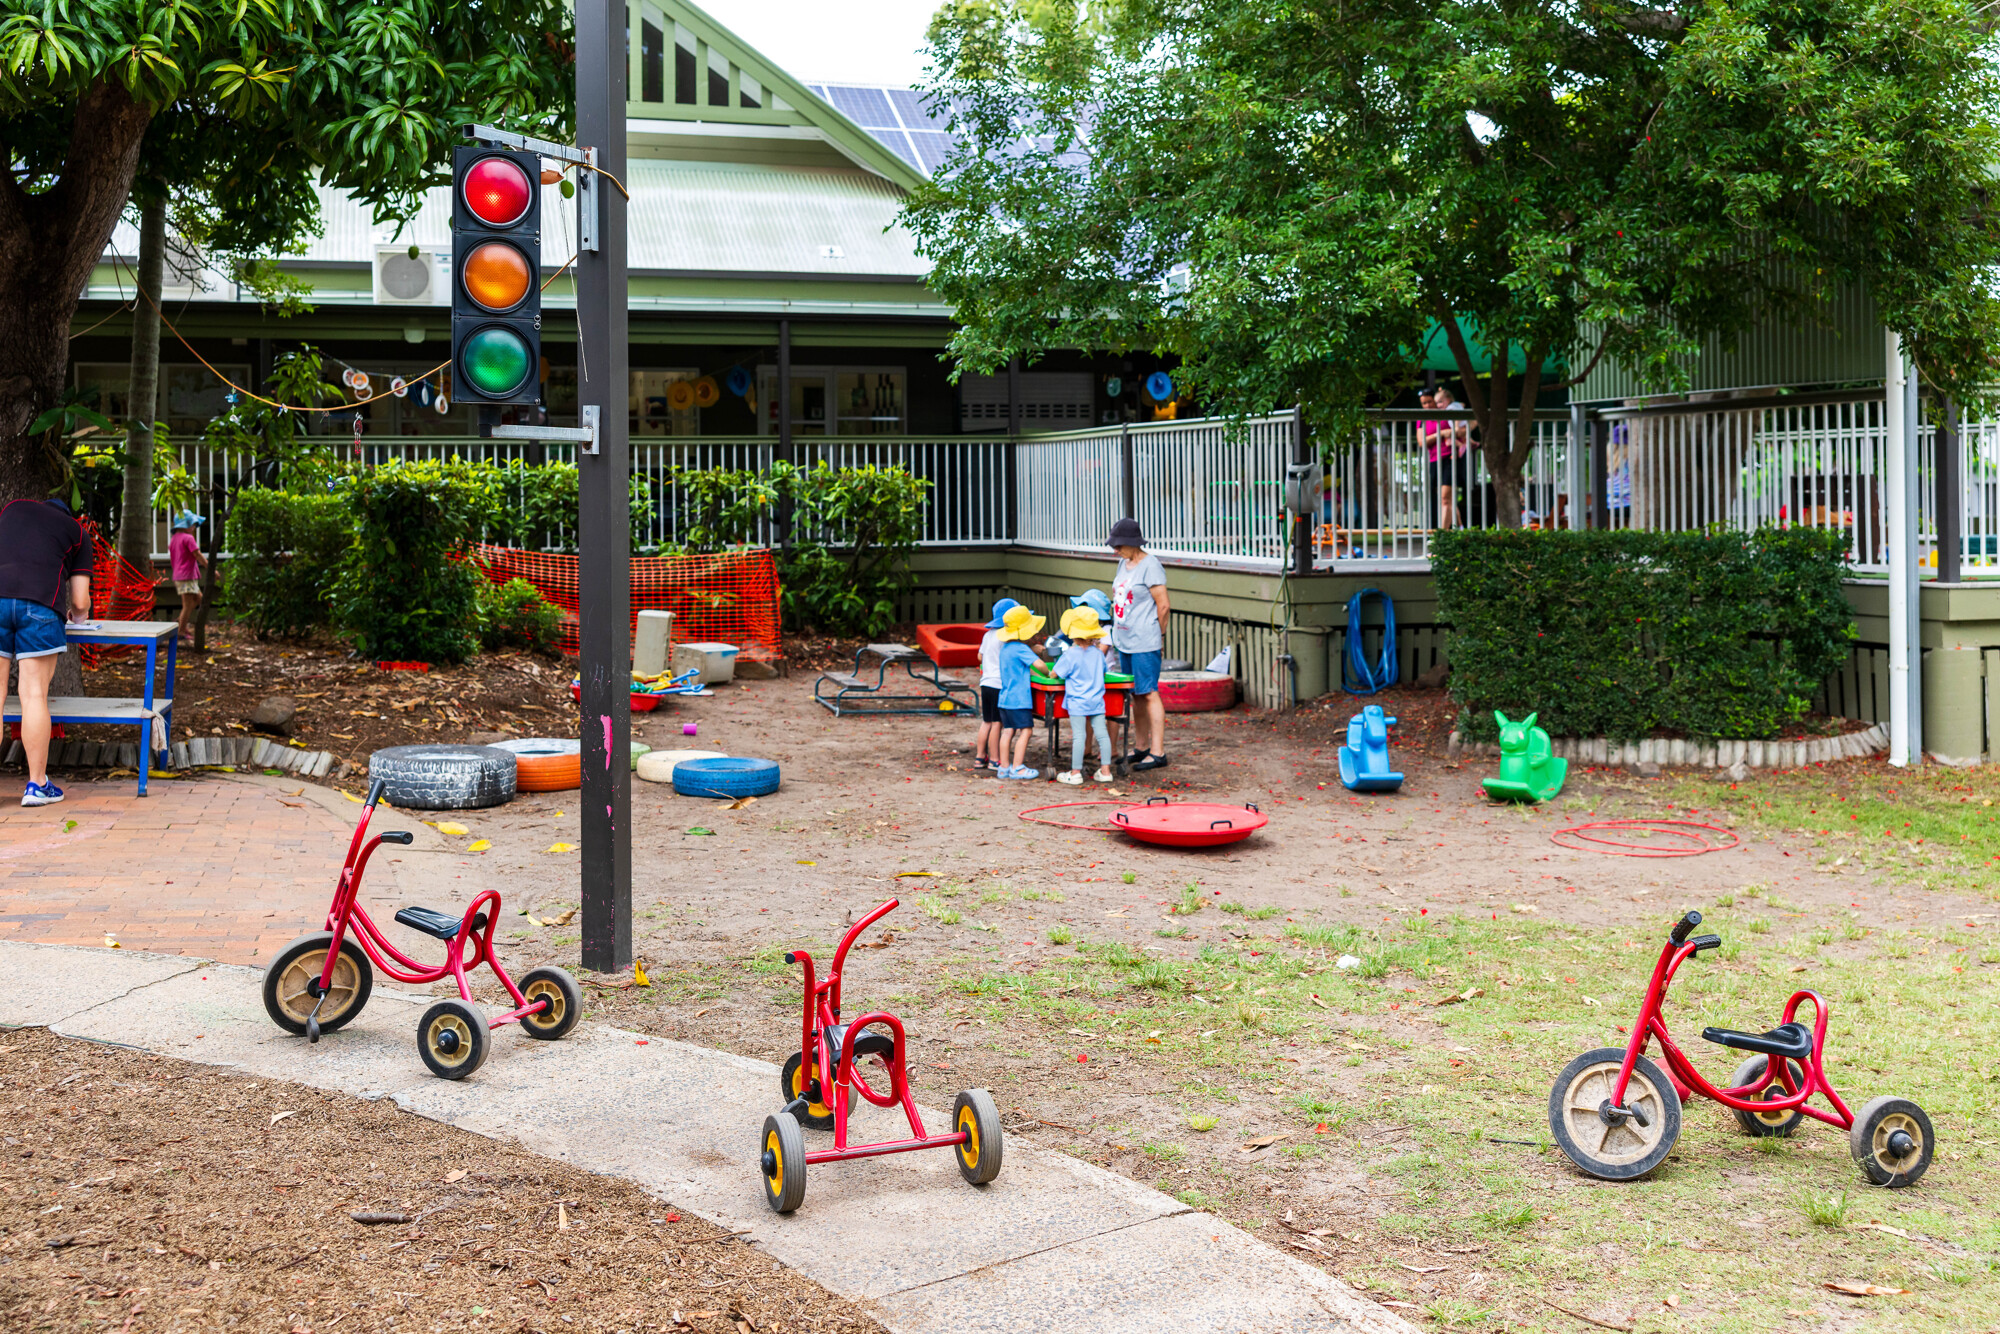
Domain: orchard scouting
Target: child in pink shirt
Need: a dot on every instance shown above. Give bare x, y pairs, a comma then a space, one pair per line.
187, 564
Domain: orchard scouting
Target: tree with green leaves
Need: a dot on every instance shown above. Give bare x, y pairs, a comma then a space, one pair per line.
1294, 195
241, 107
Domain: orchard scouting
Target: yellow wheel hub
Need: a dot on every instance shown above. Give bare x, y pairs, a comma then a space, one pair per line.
544, 990
777, 1152
460, 1051
802, 1077
969, 1151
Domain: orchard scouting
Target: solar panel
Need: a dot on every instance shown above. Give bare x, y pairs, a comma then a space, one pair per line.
866, 107
910, 106
932, 148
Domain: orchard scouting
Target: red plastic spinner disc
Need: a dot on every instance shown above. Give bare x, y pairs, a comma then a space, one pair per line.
1189, 824
497, 191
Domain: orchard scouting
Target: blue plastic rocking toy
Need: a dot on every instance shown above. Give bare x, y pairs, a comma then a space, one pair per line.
1364, 760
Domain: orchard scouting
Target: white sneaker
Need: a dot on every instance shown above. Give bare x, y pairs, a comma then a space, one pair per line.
1071, 779
1104, 774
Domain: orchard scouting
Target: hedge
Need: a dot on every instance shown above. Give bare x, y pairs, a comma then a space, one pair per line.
288, 549
1622, 634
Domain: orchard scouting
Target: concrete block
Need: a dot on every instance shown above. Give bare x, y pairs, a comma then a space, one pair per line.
716, 662
128, 755
321, 762
177, 755
47, 983
15, 754
1954, 705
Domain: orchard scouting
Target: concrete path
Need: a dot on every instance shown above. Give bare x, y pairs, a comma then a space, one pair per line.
1053, 1245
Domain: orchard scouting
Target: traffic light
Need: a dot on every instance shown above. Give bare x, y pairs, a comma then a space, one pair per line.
496, 298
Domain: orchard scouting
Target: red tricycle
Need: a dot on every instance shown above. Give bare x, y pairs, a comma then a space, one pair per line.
321, 980
1617, 1115
825, 1043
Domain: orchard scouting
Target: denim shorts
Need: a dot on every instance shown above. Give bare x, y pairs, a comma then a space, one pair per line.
29, 630
1145, 669
1016, 720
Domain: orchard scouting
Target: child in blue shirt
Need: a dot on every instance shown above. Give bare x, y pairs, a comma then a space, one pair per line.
1017, 698
986, 754
1082, 667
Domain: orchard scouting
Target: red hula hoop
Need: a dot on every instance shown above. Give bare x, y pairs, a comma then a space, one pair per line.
1695, 833
1030, 814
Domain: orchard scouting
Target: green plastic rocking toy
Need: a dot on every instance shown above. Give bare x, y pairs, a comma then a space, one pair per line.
1529, 770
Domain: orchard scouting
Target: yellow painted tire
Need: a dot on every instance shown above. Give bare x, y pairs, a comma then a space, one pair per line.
979, 1157
782, 1162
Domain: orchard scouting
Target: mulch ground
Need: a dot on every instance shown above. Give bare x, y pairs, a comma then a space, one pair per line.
143, 1193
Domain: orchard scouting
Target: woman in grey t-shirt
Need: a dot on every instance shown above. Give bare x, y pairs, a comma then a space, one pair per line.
1139, 632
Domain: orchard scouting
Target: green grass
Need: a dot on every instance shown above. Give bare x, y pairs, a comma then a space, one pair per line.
1203, 1122
1061, 935
935, 909
1190, 901
1822, 1210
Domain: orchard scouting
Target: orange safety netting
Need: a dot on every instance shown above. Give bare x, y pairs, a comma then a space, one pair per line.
729, 597
119, 591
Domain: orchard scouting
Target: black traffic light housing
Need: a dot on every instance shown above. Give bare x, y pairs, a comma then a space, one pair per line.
496, 297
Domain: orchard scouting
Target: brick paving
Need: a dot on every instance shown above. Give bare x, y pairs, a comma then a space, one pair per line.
226, 870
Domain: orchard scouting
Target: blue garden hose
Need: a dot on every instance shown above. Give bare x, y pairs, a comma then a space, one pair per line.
1357, 677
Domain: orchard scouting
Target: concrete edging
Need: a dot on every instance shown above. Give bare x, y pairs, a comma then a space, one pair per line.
1679, 753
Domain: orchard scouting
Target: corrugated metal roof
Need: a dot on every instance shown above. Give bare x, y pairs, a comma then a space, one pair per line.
700, 216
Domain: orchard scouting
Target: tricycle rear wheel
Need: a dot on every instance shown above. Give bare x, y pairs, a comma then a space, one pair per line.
1767, 1125
565, 1001
782, 1162
1615, 1148
1891, 1140
291, 983
974, 1114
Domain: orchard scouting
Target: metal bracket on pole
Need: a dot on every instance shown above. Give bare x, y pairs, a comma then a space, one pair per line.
584, 436
586, 184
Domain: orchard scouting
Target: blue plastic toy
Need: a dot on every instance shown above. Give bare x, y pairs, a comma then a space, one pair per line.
1364, 760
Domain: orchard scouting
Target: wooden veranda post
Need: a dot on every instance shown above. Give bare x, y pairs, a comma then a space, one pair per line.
1950, 539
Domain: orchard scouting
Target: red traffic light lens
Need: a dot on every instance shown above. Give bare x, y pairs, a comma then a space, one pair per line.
496, 275
497, 191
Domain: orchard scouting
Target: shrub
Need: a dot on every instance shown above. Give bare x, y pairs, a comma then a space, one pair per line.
287, 550
514, 615
400, 593
1618, 633
853, 533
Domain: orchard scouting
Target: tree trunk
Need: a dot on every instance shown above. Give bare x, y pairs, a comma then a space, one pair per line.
49, 243
135, 512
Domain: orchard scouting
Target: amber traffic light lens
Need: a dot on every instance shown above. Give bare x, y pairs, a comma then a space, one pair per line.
497, 276
498, 191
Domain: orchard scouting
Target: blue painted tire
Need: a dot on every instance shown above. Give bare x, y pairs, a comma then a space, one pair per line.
735, 777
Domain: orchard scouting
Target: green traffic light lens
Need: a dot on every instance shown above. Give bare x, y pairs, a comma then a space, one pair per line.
495, 361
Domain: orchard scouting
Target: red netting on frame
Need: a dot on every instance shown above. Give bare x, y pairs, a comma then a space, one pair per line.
729, 597
119, 591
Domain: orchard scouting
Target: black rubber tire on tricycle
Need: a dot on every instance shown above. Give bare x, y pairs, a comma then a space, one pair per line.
1767, 1125
1614, 1150
782, 1162
973, 1112
1873, 1141
291, 983
452, 1039
817, 1115
565, 999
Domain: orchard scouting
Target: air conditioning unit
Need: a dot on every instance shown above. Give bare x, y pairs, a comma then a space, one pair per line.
404, 281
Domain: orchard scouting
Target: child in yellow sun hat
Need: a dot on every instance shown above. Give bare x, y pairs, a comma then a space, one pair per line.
1082, 667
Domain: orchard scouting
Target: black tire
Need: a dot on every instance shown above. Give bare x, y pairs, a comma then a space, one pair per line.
818, 1115
444, 778
979, 1157
782, 1162
1614, 1150
1872, 1142
1767, 1125
727, 779
451, 1037
565, 999
291, 983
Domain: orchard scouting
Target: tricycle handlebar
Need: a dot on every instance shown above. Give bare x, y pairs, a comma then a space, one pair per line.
1687, 923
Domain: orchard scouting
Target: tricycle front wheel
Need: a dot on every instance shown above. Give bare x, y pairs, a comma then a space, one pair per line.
452, 1039
1891, 1140
782, 1162
978, 1119
291, 983
1614, 1144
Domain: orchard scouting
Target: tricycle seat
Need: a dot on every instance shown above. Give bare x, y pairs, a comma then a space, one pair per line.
1791, 1040
431, 922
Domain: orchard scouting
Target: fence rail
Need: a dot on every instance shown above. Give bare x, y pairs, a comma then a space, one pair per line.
1213, 490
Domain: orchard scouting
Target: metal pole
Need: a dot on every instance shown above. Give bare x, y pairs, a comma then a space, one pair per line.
1900, 463
1579, 434
1950, 482
604, 545
1600, 478
784, 407
1128, 480
1302, 524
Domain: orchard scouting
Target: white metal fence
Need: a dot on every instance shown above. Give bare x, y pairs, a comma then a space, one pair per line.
967, 501
1410, 473
1212, 488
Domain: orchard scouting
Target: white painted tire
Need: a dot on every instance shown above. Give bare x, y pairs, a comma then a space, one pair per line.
658, 766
